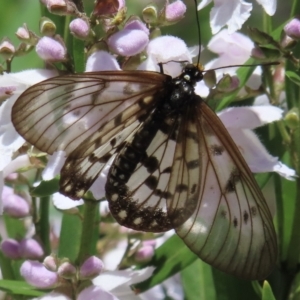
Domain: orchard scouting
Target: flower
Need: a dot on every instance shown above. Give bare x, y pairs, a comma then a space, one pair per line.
233, 13
37, 275
50, 50
239, 121
131, 40
14, 205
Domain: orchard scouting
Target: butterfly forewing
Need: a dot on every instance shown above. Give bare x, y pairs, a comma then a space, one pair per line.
62, 112
231, 227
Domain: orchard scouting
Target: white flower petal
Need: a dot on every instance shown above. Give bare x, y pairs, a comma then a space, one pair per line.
54, 165
203, 3
232, 13
256, 156
101, 61
95, 293
269, 6
249, 117
62, 202
114, 280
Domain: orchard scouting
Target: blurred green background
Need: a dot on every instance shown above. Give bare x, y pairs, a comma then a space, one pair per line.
15, 13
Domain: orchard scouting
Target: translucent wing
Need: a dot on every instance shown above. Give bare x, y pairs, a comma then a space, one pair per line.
231, 227
154, 182
88, 116
62, 112
183, 171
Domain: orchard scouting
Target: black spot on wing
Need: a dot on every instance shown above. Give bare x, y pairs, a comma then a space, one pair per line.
193, 189
151, 182
217, 150
167, 170
246, 217
151, 164
253, 211
232, 181
235, 222
181, 188
193, 164
118, 120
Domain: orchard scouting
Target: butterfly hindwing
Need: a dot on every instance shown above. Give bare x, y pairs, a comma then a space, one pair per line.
231, 227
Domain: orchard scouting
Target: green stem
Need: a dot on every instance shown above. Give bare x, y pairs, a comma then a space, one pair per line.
294, 248
44, 224
88, 227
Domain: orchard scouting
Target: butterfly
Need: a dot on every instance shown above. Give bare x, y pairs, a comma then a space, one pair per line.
172, 163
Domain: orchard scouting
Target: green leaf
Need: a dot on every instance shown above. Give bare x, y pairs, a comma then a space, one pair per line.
19, 288
197, 281
232, 288
78, 55
267, 293
46, 188
70, 236
293, 77
170, 258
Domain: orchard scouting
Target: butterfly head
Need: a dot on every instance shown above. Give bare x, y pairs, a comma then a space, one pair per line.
192, 73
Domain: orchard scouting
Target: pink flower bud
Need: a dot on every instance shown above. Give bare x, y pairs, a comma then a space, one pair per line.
107, 8
6, 92
128, 42
7, 49
50, 50
292, 29
79, 28
23, 33
146, 252
136, 25
37, 275
66, 270
62, 7
91, 268
50, 263
175, 11
11, 248
31, 249
14, 205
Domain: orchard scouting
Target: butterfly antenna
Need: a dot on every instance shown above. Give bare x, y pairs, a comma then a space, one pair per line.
199, 33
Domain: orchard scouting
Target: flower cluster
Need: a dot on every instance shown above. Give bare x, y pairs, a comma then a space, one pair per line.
133, 43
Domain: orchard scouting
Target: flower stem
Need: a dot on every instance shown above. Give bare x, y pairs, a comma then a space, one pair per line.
44, 224
294, 246
88, 226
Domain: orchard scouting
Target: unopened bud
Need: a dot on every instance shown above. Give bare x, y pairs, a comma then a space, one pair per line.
79, 28
11, 248
50, 263
47, 27
50, 50
31, 249
150, 14
91, 268
292, 118
265, 54
292, 29
66, 270
7, 49
6, 92
228, 84
14, 205
62, 7
107, 7
37, 275
175, 11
